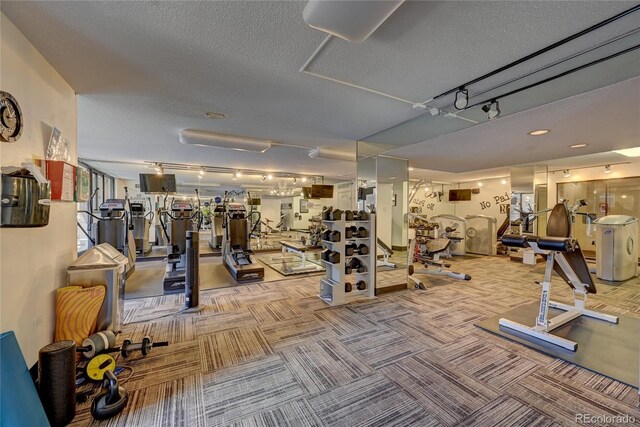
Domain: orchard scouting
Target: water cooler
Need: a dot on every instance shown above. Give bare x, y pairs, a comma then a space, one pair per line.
616, 247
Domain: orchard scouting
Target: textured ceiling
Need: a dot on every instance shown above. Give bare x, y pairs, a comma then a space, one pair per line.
145, 70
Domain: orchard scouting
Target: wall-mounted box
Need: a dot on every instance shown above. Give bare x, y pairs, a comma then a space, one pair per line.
63, 180
83, 184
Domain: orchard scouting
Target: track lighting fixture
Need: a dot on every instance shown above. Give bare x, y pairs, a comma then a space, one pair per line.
492, 109
264, 177
462, 98
607, 169
566, 173
159, 169
234, 176
295, 180
304, 179
201, 171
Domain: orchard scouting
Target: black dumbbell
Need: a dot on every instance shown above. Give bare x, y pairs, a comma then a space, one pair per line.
348, 215
335, 236
326, 234
335, 215
325, 254
363, 249
349, 249
334, 257
357, 265
145, 346
326, 213
361, 285
363, 232
348, 287
348, 269
348, 233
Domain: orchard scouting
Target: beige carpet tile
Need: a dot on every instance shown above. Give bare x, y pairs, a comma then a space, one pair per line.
275, 311
322, 365
233, 394
295, 331
228, 348
424, 331
344, 320
223, 321
163, 364
381, 310
593, 381
370, 401
291, 414
506, 411
380, 347
488, 363
562, 399
444, 390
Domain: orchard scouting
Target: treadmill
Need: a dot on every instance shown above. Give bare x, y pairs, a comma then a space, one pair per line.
236, 255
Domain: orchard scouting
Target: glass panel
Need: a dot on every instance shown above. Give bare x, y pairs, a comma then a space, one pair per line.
605, 197
108, 188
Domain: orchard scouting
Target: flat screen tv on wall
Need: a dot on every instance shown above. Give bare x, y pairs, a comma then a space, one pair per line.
321, 191
157, 183
459, 195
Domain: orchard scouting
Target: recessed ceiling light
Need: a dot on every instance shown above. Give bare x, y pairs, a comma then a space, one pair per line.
216, 116
629, 152
480, 184
410, 168
392, 177
504, 181
539, 132
578, 145
269, 176
624, 196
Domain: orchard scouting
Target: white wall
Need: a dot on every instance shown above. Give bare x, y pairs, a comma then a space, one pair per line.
33, 260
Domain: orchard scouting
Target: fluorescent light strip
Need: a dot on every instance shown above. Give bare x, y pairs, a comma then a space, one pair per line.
219, 140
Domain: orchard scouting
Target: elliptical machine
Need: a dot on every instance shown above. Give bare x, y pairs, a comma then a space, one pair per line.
141, 222
114, 227
181, 215
236, 253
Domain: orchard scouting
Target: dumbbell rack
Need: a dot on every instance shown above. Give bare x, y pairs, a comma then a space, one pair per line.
332, 284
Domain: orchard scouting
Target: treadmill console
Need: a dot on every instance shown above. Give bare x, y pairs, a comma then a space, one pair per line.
236, 211
112, 207
137, 208
181, 207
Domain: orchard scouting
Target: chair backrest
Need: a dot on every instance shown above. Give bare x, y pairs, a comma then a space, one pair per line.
559, 223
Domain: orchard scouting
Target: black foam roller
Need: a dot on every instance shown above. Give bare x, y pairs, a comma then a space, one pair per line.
57, 381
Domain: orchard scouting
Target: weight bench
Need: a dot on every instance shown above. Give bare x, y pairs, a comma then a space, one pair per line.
386, 253
565, 257
296, 248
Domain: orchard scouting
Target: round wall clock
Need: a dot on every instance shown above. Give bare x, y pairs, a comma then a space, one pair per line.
11, 123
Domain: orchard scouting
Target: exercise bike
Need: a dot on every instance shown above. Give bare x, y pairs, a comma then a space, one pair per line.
428, 250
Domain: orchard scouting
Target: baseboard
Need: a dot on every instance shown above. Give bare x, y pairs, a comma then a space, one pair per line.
393, 288
398, 248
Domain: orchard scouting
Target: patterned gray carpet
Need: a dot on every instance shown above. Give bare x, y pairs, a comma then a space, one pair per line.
273, 354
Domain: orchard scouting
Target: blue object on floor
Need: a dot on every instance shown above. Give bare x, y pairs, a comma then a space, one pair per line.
19, 401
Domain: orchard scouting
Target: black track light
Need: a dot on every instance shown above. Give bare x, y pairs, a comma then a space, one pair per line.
492, 109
